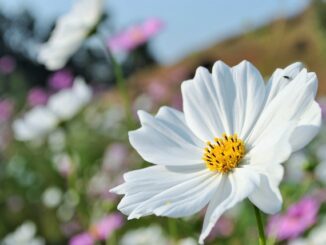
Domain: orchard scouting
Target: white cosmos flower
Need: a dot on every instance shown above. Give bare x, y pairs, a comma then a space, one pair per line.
227, 145
34, 124
70, 32
145, 236
61, 106
68, 102
316, 237
23, 235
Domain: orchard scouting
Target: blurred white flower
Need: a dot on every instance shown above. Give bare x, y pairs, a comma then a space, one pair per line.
35, 124
227, 145
52, 197
187, 241
316, 237
70, 32
62, 106
145, 236
23, 235
57, 140
68, 102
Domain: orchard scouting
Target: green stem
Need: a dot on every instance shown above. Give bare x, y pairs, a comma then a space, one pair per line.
262, 238
121, 82
173, 231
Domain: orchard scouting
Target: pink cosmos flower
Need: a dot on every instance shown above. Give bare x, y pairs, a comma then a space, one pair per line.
135, 36
6, 109
99, 231
82, 239
7, 64
105, 227
61, 79
158, 91
298, 218
37, 96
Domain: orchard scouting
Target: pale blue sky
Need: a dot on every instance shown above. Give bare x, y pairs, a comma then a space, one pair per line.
190, 25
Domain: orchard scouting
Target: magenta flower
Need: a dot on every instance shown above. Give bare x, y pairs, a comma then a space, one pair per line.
105, 227
61, 79
135, 36
37, 96
6, 109
298, 218
82, 239
7, 64
100, 231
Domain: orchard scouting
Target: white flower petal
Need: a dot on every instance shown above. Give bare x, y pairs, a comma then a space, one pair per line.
281, 78
249, 98
227, 101
208, 101
267, 196
232, 189
274, 148
166, 191
307, 128
165, 139
288, 105
265, 159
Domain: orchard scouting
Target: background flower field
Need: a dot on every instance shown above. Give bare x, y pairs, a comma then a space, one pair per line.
56, 173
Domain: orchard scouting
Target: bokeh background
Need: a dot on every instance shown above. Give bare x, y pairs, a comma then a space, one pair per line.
55, 189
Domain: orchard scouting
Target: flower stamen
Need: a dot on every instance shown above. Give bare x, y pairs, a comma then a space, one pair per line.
224, 154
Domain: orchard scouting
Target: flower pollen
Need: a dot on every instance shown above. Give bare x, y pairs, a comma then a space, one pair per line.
224, 154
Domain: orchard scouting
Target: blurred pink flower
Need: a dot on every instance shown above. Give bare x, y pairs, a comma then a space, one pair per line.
7, 64
37, 96
106, 226
177, 102
61, 79
82, 239
298, 218
158, 91
100, 231
135, 36
6, 109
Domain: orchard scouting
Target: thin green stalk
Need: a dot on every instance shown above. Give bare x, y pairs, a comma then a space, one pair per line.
172, 227
260, 226
121, 82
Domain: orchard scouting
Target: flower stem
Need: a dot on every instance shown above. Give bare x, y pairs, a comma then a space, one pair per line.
121, 83
262, 238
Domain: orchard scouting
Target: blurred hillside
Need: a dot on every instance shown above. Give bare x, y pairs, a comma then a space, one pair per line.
302, 38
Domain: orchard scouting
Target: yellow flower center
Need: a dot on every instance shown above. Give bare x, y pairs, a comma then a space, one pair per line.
224, 154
